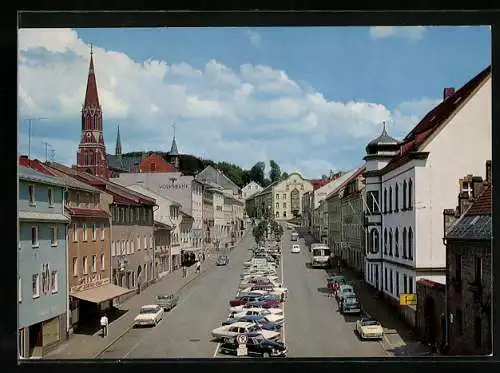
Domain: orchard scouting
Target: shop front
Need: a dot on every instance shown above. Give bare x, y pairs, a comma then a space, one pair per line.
162, 262
175, 257
38, 339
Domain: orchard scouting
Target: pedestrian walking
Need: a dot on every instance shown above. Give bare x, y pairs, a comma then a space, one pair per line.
104, 325
184, 271
198, 266
203, 256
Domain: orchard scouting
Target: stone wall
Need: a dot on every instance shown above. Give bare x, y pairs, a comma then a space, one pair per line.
430, 314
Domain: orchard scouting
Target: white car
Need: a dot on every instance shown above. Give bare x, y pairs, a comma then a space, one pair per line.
150, 314
295, 248
232, 330
369, 329
274, 310
272, 317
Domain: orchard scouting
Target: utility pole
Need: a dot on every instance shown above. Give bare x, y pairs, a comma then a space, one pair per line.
30, 120
46, 149
52, 155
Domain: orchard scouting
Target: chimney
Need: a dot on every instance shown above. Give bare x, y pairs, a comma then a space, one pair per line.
488, 171
449, 218
447, 92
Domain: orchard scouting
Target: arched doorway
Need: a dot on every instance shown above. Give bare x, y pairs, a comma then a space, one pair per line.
429, 320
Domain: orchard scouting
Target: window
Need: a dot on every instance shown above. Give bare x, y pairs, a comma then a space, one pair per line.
390, 199
77, 199
410, 285
405, 284
284, 196
153, 166
396, 243
84, 228
405, 191
145, 242
94, 232
150, 241
385, 200
54, 282
392, 287
385, 279
373, 202
138, 242
102, 231
277, 205
410, 194
75, 233
396, 198
103, 264
277, 214
34, 236
284, 205
36, 285
85, 265
458, 268
397, 284
284, 214
478, 269
404, 242
390, 242
410, 244
19, 290
53, 235
385, 241
277, 196
75, 266
32, 197
50, 197
94, 263
459, 321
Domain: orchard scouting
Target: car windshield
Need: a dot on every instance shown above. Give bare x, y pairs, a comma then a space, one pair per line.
351, 300
370, 322
148, 309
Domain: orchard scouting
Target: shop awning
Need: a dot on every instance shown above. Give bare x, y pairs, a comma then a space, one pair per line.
102, 293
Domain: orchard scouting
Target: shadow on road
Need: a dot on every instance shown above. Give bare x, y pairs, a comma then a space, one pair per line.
92, 327
324, 290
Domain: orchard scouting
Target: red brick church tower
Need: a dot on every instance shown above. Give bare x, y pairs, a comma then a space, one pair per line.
91, 155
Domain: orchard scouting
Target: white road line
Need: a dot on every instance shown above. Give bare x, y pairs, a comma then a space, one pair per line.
216, 349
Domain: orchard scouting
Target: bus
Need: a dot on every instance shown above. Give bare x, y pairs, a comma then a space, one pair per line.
320, 256
295, 236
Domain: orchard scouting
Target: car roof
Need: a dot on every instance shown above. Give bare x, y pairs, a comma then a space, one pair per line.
149, 306
345, 286
242, 324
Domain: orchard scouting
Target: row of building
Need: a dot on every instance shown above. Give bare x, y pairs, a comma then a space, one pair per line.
395, 219
93, 234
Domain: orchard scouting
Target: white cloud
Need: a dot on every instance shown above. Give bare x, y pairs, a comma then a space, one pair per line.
409, 32
243, 115
254, 37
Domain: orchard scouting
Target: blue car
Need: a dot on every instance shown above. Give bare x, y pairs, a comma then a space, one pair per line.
261, 321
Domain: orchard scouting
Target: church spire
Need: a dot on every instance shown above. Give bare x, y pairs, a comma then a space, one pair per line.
91, 96
173, 148
118, 149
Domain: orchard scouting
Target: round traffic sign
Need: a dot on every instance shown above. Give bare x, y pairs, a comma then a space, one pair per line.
241, 339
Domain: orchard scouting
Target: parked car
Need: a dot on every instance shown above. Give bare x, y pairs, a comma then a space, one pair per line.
369, 328
350, 304
343, 291
168, 301
269, 303
222, 260
270, 296
295, 248
257, 346
149, 315
270, 315
228, 331
275, 310
261, 321
243, 299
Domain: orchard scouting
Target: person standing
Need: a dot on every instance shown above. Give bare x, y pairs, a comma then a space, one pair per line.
104, 325
198, 266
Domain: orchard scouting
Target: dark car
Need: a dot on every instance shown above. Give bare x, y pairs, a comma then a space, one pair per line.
261, 321
222, 260
257, 345
350, 304
238, 301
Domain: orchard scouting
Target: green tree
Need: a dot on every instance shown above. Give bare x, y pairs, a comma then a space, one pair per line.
256, 173
284, 175
274, 172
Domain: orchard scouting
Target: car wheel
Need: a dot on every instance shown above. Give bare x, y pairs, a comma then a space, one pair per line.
266, 354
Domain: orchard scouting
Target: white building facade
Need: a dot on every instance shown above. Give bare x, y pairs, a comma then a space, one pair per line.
409, 184
250, 189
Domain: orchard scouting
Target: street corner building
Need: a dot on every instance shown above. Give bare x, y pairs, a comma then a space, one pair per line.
410, 182
42, 263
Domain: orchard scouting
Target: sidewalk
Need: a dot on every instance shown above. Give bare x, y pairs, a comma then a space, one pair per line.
82, 346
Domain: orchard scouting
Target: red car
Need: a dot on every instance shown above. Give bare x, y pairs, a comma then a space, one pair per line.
238, 301
269, 303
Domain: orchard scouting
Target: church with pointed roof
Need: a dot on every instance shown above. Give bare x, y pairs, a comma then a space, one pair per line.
91, 155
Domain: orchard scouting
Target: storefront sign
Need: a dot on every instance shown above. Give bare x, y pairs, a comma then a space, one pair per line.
89, 285
174, 186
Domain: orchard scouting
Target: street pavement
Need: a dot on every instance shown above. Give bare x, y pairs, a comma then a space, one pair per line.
399, 339
314, 326
185, 331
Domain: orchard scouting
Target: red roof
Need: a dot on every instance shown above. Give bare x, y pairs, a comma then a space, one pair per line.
34, 164
482, 205
434, 119
430, 283
89, 212
91, 97
318, 183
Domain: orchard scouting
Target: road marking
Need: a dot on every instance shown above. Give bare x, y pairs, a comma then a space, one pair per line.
216, 350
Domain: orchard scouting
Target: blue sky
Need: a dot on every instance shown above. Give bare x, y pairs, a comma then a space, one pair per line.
308, 97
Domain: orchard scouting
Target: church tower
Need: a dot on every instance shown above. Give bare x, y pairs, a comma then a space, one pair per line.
174, 153
91, 155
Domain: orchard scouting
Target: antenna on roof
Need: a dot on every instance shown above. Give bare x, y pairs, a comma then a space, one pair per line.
52, 155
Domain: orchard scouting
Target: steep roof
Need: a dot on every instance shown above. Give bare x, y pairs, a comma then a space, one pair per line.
476, 222
71, 181
34, 164
91, 96
318, 183
434, 119
29, 174
344, 180
384, 140
173, 148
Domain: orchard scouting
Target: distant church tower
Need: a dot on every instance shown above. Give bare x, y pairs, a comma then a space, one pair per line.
118, 148
174, 153
91, 155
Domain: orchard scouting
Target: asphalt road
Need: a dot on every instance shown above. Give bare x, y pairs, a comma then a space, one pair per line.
314, 327
185, 331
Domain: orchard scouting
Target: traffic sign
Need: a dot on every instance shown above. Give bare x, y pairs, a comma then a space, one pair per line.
407, 299
242, 339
